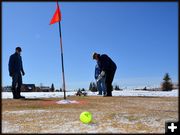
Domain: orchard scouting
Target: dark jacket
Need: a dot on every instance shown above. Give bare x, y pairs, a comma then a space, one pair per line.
97, 71
15, 64
106, 64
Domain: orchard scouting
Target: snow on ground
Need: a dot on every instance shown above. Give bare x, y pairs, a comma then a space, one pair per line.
67, 102
173, 93
110, 115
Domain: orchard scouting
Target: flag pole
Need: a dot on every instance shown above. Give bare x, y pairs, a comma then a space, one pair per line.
62, 60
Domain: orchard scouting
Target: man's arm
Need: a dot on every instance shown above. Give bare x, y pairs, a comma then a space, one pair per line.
10, 65
22, 70
95, 74
104, 63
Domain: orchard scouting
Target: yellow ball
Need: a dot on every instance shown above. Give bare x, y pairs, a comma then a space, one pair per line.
86, 117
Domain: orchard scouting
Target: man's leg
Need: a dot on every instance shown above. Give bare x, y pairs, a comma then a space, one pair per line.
19, 86
108, 84
99, 87
103, 85
14, 89
112, 77
109, 81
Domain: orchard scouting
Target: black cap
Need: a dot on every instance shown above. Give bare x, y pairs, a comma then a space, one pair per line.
94, 55
18, 49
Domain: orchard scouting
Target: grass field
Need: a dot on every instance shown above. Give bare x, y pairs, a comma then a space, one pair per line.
110, 115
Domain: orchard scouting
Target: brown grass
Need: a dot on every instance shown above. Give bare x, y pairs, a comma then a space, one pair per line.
110, 114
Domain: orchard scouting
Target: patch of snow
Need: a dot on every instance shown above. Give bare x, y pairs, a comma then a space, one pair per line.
25, 111
173, 93
67, 102
7, 127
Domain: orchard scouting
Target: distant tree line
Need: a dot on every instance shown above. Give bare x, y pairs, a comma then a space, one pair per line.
166, 85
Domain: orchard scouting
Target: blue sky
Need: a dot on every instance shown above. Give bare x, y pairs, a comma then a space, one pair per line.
140, 37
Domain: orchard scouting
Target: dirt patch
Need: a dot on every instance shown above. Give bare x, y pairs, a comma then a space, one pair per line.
110, 115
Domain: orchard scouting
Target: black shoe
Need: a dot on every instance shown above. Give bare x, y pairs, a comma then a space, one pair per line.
21, 96
15, 97
108, 95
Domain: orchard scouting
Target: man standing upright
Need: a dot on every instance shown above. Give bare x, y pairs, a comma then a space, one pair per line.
108, 68
15, 70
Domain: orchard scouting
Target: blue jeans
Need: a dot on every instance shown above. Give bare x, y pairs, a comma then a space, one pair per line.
101, 86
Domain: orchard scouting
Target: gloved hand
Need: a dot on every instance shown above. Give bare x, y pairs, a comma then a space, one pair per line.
23, 73
11, 74
99, 78
102, 73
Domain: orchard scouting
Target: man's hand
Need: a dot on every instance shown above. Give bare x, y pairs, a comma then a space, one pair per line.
99, 78
102, 73
11, 74
23, 73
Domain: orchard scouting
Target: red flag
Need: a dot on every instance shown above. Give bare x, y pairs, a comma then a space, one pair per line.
56, 16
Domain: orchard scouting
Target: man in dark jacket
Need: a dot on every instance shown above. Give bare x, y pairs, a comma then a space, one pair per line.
108, 68
15, 70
